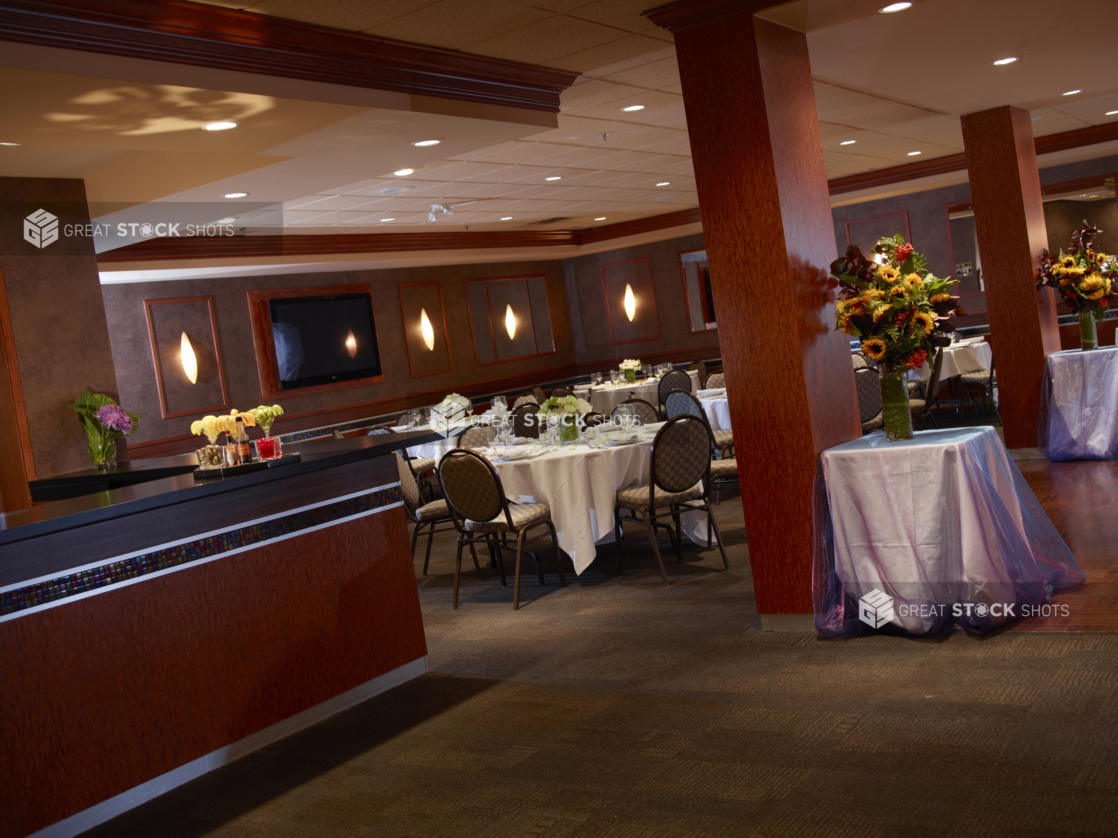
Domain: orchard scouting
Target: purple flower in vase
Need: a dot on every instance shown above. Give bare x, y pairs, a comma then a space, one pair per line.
114, 418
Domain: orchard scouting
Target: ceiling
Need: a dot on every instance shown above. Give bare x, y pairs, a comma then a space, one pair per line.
893, 84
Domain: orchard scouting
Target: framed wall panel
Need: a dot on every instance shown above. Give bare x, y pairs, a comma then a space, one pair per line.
489, 301
967, 264
415, 299
865, 232
168, 320
645, 324
697, 291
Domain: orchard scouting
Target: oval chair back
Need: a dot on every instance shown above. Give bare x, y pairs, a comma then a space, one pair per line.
593, 419
700, 369
471, 487
716, 380
561, 393
526, 398
682, 403
540, 395
674, 380
868, 385
681, 455
647, 412
524, 421
475, 436
409, 488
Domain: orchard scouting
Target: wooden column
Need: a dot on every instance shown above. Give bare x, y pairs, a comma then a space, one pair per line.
1009, 220
766, 214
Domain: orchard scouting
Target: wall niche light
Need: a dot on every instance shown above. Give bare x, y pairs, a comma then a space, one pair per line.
426, 330
630, 303
510, 322
351, 344
189, 359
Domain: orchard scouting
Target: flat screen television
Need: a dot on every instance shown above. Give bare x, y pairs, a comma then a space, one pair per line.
324, 340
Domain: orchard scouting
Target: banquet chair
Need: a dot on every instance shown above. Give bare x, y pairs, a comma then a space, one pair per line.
422, 514
679, 403
540, 395
985, 381
476, 436
859, 361
526, 398
716, 380
922, 408
561, 393
482, 514
674, 380
700, 369
593, 418
423, 469
524, 422
680, 467
870, 407
648, 413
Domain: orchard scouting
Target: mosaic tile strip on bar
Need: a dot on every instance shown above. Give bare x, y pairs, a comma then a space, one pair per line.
112, 573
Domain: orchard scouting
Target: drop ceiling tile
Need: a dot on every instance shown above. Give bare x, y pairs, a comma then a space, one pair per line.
457, 24
622, 14
580, 156
825, 93
592, 92
846, 105
665, 52
354, 15
476, 171
511, 153
680, 146
655, 75
653, 100
546, 41
629, 46
683, 167
895, 122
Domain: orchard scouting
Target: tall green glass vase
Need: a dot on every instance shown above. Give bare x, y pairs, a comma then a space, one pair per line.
1088, 332
898, 414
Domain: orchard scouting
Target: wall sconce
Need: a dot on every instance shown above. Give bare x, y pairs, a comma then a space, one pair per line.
189, 359
510, 322
351, 344
425, 328
630, 302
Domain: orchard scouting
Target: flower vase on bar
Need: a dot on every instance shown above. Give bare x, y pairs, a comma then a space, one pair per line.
901, 313
1082, 278
103, 421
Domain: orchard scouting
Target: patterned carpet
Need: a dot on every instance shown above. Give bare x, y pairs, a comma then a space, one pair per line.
619, 708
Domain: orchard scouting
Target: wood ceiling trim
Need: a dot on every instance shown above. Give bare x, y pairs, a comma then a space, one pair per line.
229, 39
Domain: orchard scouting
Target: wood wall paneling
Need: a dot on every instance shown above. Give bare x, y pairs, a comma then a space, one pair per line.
645, 324
1009, 219
266, 365
761, 181
167, 321
865, 232
500, 298
415, 298
531, 305
17, 466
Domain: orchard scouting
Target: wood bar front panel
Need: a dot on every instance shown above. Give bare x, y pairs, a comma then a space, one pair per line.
1009, 221
105, 693
767, 219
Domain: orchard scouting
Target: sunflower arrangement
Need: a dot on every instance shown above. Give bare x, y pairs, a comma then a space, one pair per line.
1083, 278
900, 311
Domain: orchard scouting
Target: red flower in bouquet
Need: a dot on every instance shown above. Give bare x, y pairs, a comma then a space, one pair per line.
903, 251
916, 359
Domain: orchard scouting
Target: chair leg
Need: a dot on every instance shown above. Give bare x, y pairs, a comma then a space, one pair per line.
415, 540
718, 535
473, 553
457, 570
430, 538
558, 554
495, 546
617, 539
519, 556
710, 522
678, 534
655, 547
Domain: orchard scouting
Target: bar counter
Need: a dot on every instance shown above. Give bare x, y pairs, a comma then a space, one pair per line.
153, 632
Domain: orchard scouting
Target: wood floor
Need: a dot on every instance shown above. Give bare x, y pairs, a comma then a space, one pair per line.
1081, 499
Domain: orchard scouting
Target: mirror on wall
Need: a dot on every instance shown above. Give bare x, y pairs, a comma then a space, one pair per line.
700, 297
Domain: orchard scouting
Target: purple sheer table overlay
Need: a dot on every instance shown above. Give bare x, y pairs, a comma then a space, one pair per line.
934, 534
1079, 405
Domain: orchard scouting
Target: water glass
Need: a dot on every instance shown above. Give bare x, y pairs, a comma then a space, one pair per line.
500, 404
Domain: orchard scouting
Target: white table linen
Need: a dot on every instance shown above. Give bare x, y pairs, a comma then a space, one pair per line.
928, 527
605, 397
974, 355
1079, 405
718, 412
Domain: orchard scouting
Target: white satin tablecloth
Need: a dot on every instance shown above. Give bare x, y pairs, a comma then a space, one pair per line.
1079, 405
718, 412
605, 397
940, 532
972, 355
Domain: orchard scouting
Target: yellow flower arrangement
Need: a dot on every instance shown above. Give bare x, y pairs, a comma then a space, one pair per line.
898, 291
939, 298
887, 273
913, 282
874, 348
927, 319
1083, 279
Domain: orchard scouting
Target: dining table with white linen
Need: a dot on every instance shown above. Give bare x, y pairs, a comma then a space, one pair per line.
938, 532
717, 408
604, 398
1079, 405
970, 355
580, 484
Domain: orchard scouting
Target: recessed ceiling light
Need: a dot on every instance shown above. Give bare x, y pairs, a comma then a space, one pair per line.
554, 177
403, 172
848, 142
228, 220
1001, 62
913, 153
425, 143
632, 108
664, 183
1072, 92
386, 220
1108, 113
9, 144
603, 218
895, 7
220, 126
235, 195
394, 190
507, 218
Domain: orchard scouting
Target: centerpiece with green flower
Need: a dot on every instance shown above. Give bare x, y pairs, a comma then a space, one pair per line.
901, 313
104, 422
630, 366
1083, 278
567, 410
450, 412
